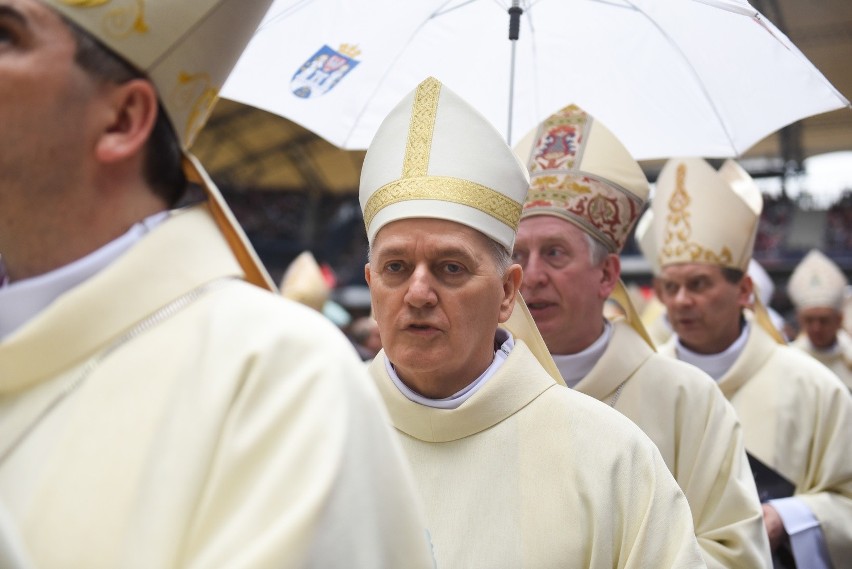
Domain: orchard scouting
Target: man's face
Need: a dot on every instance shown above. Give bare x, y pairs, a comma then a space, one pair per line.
821, 325
438, 298
45, 99
703, 307
563, 290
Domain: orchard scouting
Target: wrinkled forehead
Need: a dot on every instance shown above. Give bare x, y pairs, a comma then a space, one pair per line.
431, 235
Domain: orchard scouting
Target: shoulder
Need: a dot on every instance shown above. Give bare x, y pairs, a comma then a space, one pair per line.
799, 368
588, 421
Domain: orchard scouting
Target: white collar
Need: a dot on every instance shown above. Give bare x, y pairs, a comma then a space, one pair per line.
455, 400
20, 301
715, 365
574, 367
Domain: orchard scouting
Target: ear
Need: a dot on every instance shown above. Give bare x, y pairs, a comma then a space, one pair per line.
511, 283
132, 114
367, 277
745, 289
610, 273
657, 283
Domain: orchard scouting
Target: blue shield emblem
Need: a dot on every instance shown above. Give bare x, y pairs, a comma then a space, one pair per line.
323, 70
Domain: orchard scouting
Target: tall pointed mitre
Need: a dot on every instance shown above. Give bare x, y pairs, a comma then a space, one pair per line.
435, 156
304, 282
580, 172
709, 217
704, 216
644, 236
187, 49
817, 282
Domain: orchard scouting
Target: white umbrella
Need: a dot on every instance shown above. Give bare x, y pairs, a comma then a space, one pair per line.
669, 77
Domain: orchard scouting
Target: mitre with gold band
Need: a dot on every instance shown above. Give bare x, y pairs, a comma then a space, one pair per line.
187, 50
817, 282
435, 156
580, 172
709, 217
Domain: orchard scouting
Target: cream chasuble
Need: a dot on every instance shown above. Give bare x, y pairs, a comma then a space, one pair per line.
797, 418
682, 410
530, 474
838, 359
165, 413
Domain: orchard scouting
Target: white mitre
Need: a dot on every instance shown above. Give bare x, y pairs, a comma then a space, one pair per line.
435, 156
644, 236
304, 282
187, 49
817, 282
704, 216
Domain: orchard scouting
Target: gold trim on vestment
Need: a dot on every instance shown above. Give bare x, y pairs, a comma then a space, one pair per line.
446, 189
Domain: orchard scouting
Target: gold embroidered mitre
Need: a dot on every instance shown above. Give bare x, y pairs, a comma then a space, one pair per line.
435, 156
580, 172
817, 282
700, 217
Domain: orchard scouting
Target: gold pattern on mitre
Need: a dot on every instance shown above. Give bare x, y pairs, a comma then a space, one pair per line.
677, 241
704, 216
582, 173
121, 20
430, 179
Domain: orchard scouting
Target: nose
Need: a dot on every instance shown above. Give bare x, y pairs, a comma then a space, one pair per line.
535, 274
682, 297
421, 291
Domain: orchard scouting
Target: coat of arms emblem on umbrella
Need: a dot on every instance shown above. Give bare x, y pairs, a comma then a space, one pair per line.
323, 70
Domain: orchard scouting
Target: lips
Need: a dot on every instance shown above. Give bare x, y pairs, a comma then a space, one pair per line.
539, 304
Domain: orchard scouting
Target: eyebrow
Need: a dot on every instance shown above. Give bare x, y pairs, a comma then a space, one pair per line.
13, 14
448, 251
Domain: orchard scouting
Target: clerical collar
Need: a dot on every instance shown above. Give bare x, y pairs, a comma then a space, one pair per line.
454, 401
715, 365
574, 367
20, 301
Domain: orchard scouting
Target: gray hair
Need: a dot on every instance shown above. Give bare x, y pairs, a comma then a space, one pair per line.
597, 250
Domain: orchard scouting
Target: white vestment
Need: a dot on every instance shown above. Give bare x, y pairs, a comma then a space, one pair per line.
165, 413
797, 419
682, 410
527, 473
838, 358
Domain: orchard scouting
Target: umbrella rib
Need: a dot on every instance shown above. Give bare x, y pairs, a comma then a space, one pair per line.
695, 74
390, 68
285, 13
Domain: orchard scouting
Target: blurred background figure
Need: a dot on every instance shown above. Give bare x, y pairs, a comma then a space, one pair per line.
304, 282
364, 333
764, 288
817, 288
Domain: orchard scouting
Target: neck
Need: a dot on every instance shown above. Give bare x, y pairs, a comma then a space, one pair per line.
66, 231
576, 338
435, 385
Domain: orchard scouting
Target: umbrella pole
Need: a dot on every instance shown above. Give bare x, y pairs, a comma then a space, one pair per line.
515, 12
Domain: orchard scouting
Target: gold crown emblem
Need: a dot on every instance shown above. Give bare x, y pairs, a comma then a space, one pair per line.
349, 50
